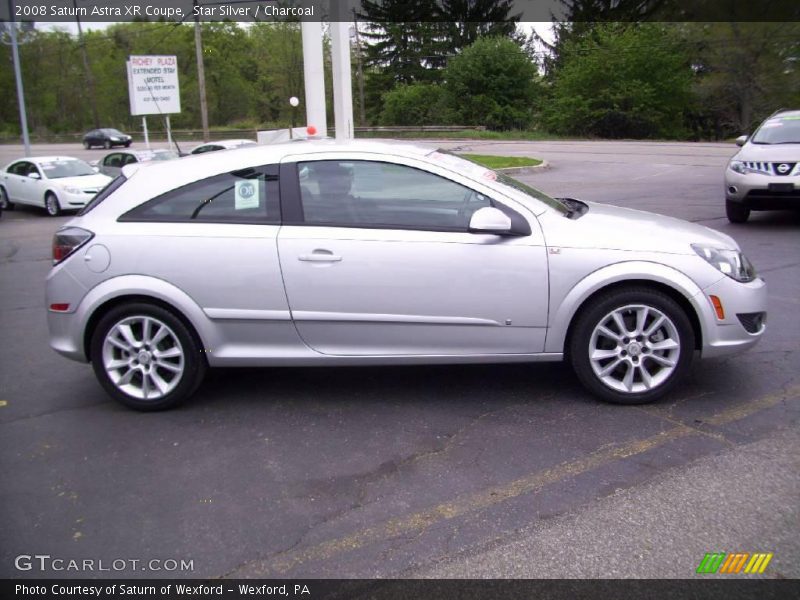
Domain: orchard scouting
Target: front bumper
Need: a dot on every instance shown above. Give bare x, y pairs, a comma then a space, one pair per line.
740, 302
759, 191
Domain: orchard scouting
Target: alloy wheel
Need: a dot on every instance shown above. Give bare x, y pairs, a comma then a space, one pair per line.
634, 348
143, 357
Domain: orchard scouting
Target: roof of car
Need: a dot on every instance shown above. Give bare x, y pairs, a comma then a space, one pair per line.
247, 156
41, 159
787, 113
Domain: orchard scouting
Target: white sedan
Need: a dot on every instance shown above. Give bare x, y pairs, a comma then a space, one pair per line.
56, 183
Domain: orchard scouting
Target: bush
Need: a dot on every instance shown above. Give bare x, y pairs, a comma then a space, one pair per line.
415, 104
621, 81
492, 83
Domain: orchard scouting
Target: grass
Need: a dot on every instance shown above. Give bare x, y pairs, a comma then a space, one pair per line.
502, 162
465, 134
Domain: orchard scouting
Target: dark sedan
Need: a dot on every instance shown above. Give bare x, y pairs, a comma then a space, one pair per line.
107, 138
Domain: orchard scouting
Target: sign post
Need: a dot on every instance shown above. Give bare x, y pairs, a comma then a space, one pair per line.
153, 89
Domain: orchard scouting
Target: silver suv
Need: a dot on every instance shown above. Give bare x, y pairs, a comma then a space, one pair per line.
316, 253
765, 173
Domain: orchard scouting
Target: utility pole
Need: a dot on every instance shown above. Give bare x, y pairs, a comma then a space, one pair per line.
361, 109
201, 73
23, 119
87, 69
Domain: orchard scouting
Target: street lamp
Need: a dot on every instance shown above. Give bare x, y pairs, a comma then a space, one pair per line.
294, 102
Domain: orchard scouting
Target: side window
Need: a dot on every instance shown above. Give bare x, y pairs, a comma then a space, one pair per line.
128, 159
19, 168
32, 170
245, 196
112, 160
381, 194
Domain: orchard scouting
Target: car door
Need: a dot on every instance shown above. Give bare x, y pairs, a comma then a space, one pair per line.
112, 164
35, 185
14, 180
384, 264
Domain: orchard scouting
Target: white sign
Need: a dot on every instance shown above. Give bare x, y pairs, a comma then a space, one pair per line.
246, 194
153, 85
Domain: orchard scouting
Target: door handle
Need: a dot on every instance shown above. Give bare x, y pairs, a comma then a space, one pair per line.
320, 256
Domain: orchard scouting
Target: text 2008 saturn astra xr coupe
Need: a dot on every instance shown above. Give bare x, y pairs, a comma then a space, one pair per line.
318, 253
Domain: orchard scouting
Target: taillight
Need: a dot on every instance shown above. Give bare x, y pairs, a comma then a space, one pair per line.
67, 240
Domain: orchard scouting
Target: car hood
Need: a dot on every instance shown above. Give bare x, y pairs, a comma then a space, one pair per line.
609, 227
769, 153
84, 182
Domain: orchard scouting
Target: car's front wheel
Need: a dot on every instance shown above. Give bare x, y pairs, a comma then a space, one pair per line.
736, 212
146, 358
107, 145
631, 346
52, 205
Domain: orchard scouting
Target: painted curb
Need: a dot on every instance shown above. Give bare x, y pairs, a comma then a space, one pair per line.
525, 170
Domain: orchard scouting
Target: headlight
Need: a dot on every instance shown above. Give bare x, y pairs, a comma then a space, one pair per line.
72, 190
732, 263
737, 166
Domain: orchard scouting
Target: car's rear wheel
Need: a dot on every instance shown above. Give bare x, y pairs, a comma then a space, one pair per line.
5, 203
736, 212
52, 205
631, 346
87, 145
146, 358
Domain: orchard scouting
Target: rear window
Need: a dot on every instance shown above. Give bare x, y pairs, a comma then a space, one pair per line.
110, 188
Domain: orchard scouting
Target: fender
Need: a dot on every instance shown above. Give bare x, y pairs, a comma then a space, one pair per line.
619, 272
143, 285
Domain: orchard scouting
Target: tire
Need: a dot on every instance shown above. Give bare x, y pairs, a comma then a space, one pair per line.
627, 372
136, 377
87, 145
107, 145
51, 205
5, 203
736, 212
127, 144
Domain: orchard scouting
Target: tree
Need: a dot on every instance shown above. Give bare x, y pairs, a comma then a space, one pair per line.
621, 80
466, 20
401, 38
743, 72
492, 83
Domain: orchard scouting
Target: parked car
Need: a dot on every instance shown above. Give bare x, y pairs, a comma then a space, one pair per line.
765, 173
107, 138
112, 164
56, 183
318, 253
221, 145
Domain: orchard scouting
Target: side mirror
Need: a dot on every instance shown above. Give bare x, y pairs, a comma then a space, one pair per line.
34, 176
490, 220
741, 140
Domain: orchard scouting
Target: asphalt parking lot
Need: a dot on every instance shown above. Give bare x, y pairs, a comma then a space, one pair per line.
414, 471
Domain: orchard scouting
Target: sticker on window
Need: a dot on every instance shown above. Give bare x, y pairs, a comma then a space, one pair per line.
246, 194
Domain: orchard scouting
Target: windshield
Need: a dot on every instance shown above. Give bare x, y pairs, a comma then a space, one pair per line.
478, 171
156, 155
66, 168
779, 130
